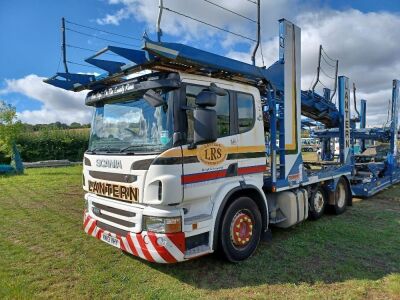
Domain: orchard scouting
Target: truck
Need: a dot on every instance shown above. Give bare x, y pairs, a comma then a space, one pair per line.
309, 144
177, 167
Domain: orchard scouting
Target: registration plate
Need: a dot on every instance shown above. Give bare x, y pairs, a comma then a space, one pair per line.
110, 240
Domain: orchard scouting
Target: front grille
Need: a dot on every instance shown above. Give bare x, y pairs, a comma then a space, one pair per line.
100, 213
114, 210
126, 178
112, 229
123, 217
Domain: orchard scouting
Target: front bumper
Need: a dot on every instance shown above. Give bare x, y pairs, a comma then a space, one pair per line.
153, 247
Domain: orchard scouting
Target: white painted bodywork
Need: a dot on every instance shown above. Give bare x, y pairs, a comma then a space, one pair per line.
197, 203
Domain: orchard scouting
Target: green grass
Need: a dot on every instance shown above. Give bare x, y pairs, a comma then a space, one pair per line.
44, 253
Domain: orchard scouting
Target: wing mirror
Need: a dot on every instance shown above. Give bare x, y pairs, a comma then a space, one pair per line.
206, 98
205, 119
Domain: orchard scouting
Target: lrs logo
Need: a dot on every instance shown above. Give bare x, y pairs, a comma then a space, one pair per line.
212, 154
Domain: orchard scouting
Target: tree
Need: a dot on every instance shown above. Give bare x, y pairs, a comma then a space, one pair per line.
75, 125
10, 128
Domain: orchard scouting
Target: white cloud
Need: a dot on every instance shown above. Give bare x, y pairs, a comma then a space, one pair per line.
114, 19
366, 45
57, 104
187, 30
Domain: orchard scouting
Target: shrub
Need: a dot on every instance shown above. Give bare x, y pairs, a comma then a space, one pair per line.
53, 144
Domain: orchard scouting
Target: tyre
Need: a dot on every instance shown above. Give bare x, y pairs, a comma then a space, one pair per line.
317, 203
240, 229
341, 196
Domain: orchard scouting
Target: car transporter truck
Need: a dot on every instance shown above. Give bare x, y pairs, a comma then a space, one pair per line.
177, 165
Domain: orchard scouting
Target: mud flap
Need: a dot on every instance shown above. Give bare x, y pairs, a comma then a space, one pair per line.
266, 236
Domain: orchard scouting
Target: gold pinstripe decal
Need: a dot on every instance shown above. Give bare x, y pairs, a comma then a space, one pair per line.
176, 152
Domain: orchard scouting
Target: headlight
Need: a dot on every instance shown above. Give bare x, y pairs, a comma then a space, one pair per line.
162, 225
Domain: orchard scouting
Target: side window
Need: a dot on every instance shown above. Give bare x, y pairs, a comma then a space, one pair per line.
245, 104
222, 108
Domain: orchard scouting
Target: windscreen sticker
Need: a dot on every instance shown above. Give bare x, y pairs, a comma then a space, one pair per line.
164, 137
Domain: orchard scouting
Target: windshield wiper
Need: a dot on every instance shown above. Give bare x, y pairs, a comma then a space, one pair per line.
130, 147
135, 146
104, 149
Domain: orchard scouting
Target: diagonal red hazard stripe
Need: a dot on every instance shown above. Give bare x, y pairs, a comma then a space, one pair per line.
163, 251
86, 222
121, 243
91, 228
178, 239
131, 245
143, 246
99, 233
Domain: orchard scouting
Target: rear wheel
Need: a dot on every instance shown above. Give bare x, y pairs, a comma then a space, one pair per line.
317, 203
341, 196
240, 229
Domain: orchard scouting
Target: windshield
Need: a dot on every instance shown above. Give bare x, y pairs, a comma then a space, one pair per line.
132, 126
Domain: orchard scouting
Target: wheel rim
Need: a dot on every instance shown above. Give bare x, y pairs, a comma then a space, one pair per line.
241, 229
340, 195
319, 201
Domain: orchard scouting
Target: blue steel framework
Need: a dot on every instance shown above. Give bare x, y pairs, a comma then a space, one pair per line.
369, 176
270, 81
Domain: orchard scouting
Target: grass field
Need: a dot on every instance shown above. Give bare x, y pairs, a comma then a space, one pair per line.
44, 253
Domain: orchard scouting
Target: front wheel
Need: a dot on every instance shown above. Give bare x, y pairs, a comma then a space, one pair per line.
240, 229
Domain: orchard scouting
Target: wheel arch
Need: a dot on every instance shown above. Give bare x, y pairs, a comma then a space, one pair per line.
349, 191
243, 190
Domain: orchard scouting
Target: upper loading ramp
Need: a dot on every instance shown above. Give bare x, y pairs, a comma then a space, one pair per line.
167, 57
319, 109
164, 56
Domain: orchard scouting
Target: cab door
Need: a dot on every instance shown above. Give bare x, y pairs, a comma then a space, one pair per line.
252, 161
207, 167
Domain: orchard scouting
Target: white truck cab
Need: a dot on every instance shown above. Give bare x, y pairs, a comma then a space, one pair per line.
154, 191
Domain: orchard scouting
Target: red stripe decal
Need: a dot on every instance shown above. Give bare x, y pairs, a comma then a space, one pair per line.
162, 251
199, 177
121, 243
178, 239
91, 228
142, 245
192, 178
253, 169
99, 233
131, 245
86, 222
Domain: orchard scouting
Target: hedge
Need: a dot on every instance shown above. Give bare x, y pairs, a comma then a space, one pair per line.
52, 144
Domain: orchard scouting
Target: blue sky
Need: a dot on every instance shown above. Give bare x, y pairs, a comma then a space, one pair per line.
30, 40
30, 34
